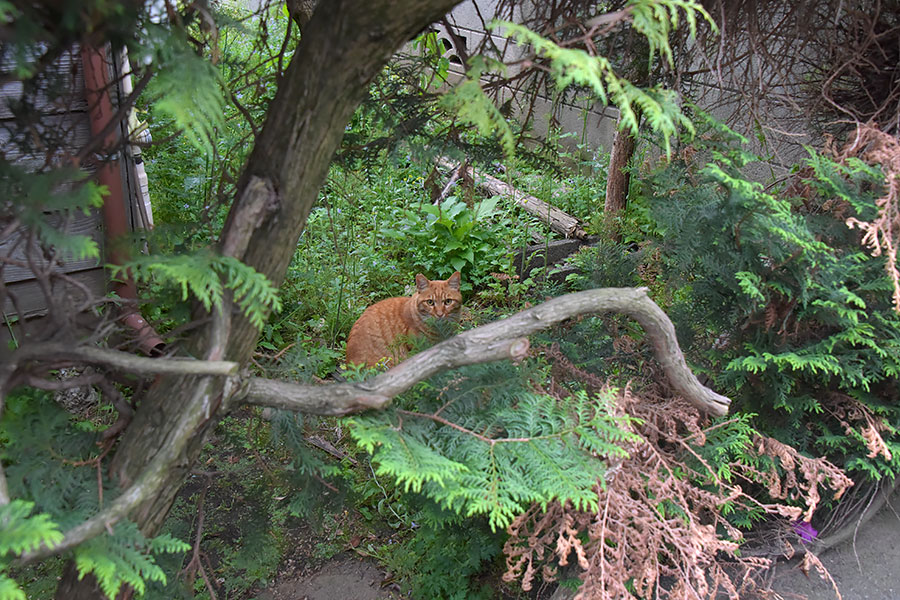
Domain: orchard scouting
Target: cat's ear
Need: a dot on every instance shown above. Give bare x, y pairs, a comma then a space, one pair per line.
421, 282
453, 282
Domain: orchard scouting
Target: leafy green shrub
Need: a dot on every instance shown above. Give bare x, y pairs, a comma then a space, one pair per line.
791, 316
453, 237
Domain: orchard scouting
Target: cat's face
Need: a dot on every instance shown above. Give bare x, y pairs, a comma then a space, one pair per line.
437, 299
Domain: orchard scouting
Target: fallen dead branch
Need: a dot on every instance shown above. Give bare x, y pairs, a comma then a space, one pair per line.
556, 219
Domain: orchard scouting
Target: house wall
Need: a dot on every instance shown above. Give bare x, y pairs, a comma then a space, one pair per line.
60, 108
59, 100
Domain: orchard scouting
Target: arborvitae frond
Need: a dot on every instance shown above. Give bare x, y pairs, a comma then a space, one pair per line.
206, 276
571, 66
470, 104
657, 19
21, 533
410, 462
510, 446
806, 336
187, 87
9, 589
124, 558
43, 201
38, 434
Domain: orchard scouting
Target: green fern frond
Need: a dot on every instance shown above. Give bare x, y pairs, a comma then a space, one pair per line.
20, 533
167, 544
206, 276
9, 589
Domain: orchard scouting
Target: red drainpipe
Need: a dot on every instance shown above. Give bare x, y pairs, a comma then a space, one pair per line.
97, 84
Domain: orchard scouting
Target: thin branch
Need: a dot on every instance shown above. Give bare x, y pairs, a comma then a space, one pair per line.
4, 489
97, 141
478, 436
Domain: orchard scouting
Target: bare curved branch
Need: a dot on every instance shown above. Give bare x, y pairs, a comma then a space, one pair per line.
123, 361
494, 341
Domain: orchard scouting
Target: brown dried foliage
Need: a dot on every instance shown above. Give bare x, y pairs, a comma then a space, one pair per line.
882, 235
855, 417
660, 530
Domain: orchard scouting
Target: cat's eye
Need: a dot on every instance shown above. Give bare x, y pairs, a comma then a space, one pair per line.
429, 302
448, 301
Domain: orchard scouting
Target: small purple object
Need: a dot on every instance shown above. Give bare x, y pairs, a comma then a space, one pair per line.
806, 531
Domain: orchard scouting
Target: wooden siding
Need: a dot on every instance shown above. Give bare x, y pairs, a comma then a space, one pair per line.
63, 129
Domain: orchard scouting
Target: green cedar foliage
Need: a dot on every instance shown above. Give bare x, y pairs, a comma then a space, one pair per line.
306, 470
44, 202
19, 533
197, 108
470, 105
125, 557
792, 317
655, 20
441, 559
45, 448
496, 444
207, 276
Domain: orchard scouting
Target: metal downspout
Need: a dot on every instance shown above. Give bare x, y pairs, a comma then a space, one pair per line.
97, 84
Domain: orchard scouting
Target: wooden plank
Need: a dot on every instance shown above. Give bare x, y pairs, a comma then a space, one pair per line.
53, 139
60, 87
14, 247
558, 221
33, 301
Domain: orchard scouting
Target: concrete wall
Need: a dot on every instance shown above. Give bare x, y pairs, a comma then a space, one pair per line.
590, 123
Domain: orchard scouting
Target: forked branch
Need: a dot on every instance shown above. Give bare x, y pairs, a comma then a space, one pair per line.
495, 341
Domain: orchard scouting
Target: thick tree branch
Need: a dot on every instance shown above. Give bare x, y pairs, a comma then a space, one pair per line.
123, 361
495, 341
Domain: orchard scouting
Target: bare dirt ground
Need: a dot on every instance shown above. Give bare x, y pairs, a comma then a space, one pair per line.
344, 577
864, 568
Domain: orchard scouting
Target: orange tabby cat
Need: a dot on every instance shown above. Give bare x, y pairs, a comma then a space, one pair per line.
382, 330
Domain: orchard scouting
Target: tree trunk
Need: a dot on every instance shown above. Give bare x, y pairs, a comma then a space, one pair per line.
343, 47
618, 179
